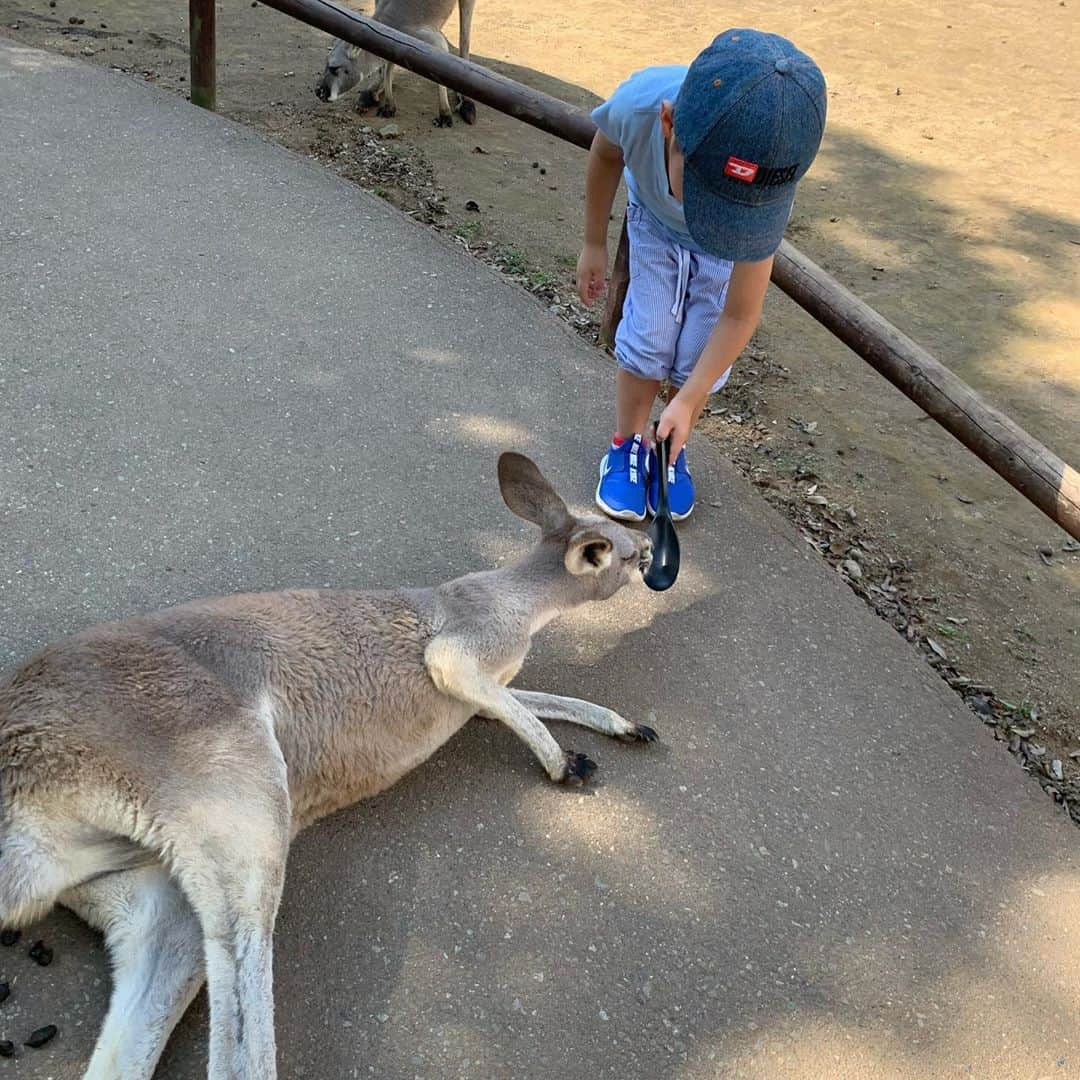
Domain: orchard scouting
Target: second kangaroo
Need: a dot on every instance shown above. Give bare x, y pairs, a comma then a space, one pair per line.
348, 65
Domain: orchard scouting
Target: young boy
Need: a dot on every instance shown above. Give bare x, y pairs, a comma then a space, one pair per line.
711, 155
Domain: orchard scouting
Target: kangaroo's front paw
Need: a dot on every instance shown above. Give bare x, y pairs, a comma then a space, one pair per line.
641, 733
387, 108
578, 768
444, 120
467, 111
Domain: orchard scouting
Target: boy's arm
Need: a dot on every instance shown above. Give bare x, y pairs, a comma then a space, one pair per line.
601, 182
742, 310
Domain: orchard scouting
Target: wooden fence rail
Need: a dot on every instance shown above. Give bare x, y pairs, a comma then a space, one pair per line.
1035, 471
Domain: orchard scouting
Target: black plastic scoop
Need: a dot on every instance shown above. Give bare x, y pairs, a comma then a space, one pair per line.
664, 568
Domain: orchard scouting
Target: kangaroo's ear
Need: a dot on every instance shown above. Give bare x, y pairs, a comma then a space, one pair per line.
588, 552
529, 495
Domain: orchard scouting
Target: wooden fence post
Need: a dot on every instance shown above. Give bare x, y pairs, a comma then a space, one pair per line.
616, 292
202, 36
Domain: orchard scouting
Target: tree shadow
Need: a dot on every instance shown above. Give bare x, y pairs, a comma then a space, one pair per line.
963, 287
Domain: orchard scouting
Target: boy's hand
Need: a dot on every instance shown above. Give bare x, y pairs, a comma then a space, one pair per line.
591, 272
676, 420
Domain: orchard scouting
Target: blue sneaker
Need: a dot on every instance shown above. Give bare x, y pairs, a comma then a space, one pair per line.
680, 486
623, 475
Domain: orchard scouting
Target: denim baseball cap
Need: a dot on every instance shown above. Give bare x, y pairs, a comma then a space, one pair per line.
749, 118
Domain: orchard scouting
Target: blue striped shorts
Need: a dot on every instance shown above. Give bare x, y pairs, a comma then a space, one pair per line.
674, 300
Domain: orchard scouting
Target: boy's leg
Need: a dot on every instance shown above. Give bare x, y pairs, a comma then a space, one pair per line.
645, 350
634, 399
703, 304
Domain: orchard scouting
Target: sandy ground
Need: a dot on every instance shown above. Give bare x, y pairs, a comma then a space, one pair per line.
945, 195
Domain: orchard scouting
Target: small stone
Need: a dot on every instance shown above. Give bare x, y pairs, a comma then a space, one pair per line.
1055, 771
473, 205
604, 1016
42, 1036
389, 131
543, 172
851, 568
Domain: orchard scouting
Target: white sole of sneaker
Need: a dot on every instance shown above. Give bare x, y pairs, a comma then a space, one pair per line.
674, 517
618, 515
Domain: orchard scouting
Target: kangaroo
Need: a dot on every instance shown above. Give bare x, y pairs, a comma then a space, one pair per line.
154, 771
348, 65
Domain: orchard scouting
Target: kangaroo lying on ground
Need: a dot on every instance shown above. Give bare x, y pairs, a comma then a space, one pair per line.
349, 65
154, 771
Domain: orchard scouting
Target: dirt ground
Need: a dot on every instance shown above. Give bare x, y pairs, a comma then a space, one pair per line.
945, 195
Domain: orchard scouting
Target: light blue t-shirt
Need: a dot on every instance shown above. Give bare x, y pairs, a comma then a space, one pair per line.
630, 118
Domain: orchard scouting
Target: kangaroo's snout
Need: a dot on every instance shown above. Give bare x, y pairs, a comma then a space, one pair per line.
342, 71
331, 85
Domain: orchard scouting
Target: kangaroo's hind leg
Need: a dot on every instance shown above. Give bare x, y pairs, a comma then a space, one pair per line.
436, 39
466, 108
155, 945
227, 850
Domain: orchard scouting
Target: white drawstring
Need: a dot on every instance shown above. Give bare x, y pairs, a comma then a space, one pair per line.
682, 284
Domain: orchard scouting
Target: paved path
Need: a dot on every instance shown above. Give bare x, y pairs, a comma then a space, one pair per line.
223, 368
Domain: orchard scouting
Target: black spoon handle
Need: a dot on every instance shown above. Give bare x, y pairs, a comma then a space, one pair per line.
663, 456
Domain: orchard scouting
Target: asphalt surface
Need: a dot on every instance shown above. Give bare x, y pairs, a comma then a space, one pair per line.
223, 368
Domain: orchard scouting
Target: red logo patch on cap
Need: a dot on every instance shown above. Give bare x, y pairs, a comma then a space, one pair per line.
738, 169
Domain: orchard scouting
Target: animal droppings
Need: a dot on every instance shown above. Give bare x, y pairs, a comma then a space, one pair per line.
42, 1036
41, 953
